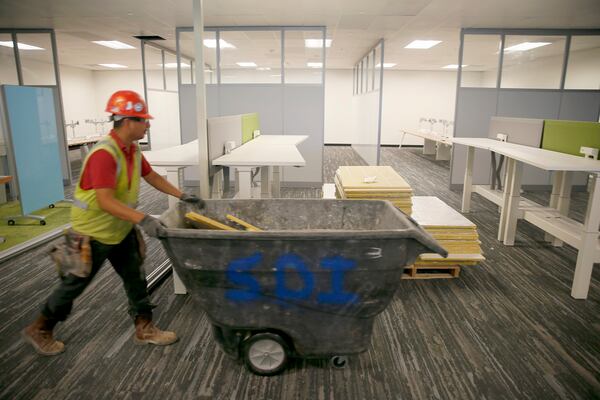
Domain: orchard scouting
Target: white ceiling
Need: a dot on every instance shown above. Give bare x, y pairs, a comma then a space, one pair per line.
354, 25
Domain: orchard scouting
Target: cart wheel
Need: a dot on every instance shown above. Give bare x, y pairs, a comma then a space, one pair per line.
11, 222
51, 206
42, 222
339, 361
265, 353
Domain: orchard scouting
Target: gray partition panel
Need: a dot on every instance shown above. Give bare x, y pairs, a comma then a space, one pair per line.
304, 115
473, 112
580, 105
265, 99
525, 131
524, 103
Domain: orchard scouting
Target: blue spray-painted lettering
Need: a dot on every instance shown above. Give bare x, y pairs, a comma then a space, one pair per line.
288, 262
238, 273
338, 265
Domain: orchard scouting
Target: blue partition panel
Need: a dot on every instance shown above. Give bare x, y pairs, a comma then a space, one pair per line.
34, 140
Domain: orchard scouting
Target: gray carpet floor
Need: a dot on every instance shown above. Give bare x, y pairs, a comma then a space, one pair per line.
506, 329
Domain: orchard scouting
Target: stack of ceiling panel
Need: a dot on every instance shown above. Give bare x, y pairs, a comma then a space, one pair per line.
374, 183
452, 230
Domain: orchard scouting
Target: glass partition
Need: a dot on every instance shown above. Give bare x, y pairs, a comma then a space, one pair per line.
35, 55
481, 54
303, 55
8, 66
153, 60
583, 69
533, 62
250, 56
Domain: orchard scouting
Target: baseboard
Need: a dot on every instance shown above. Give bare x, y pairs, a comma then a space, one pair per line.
530, 188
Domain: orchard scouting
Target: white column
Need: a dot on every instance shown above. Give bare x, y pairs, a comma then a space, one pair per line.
201, 99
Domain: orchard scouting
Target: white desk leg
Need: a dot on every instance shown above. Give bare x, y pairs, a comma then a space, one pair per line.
564, 199
276, 187
428, 146
556, 179
442, 152
588, 250
510, 228
265, 183
466, 199
244, 175
402, 134
510, 166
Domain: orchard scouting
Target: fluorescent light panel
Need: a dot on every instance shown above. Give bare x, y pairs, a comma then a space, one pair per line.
212, 44
422, 44
246, 64
174, 65
386, 65
316, 43
314, 64
263, 68
21, 46
454, 66
526, 46
113, 65
113, 44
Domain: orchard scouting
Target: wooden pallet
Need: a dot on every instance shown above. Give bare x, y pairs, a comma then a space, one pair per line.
431, 272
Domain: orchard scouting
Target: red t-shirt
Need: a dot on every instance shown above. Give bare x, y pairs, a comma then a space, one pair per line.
101, 169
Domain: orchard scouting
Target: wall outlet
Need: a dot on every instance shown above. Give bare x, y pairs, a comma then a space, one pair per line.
589, 152
502, 137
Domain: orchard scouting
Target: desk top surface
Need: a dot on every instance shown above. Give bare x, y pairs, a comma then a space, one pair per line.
262, 151
545, 159
429, 135
76, 141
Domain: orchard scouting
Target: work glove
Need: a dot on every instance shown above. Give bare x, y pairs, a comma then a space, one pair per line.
192, 199
153, 226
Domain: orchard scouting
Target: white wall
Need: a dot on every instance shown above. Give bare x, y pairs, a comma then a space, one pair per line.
79, 99
407, 96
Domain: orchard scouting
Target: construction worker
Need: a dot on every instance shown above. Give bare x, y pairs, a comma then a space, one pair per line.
104, 212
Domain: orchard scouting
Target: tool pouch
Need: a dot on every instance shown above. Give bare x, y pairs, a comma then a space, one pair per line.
73, 256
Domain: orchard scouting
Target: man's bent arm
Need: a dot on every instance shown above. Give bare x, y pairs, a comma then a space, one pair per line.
162, 184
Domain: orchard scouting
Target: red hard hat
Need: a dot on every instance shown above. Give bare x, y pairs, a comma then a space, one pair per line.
127, 103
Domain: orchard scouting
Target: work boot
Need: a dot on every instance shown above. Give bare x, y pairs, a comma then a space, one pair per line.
39, 334
146, 332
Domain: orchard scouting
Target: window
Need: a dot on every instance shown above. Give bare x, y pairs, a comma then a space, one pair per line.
35, 54
8, 67
583, 69
303, 64
481, 55
250, 56
533, 62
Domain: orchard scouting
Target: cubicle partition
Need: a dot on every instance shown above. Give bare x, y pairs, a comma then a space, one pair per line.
521, 81
287, 95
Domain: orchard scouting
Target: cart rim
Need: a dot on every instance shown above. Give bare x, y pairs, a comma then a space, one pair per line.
266, 354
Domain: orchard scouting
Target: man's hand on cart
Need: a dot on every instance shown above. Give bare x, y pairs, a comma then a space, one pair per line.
192, 199
153, 226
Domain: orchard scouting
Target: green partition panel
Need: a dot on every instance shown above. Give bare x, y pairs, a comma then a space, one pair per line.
249, 125
569, 136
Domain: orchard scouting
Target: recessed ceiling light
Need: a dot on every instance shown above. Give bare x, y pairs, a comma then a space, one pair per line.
386, 65
174, 65
113, 65
276, 75
422, 44
454, 66
212, 44
21, 46
263, 68
246, 64
314, 64
526, 46
316, 43
113, 44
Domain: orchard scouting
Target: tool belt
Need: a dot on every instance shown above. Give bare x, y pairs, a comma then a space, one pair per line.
73, 255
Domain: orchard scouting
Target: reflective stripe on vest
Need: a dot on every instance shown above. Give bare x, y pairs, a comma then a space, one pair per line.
88, 218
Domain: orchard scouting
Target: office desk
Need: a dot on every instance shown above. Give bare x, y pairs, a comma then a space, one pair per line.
267, 152
84, 144
552, 219
436, 144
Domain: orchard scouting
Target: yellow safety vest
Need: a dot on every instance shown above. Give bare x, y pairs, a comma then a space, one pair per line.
88, 218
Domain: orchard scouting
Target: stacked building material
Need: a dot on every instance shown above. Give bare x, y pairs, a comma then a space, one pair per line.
453, 231
373, 183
